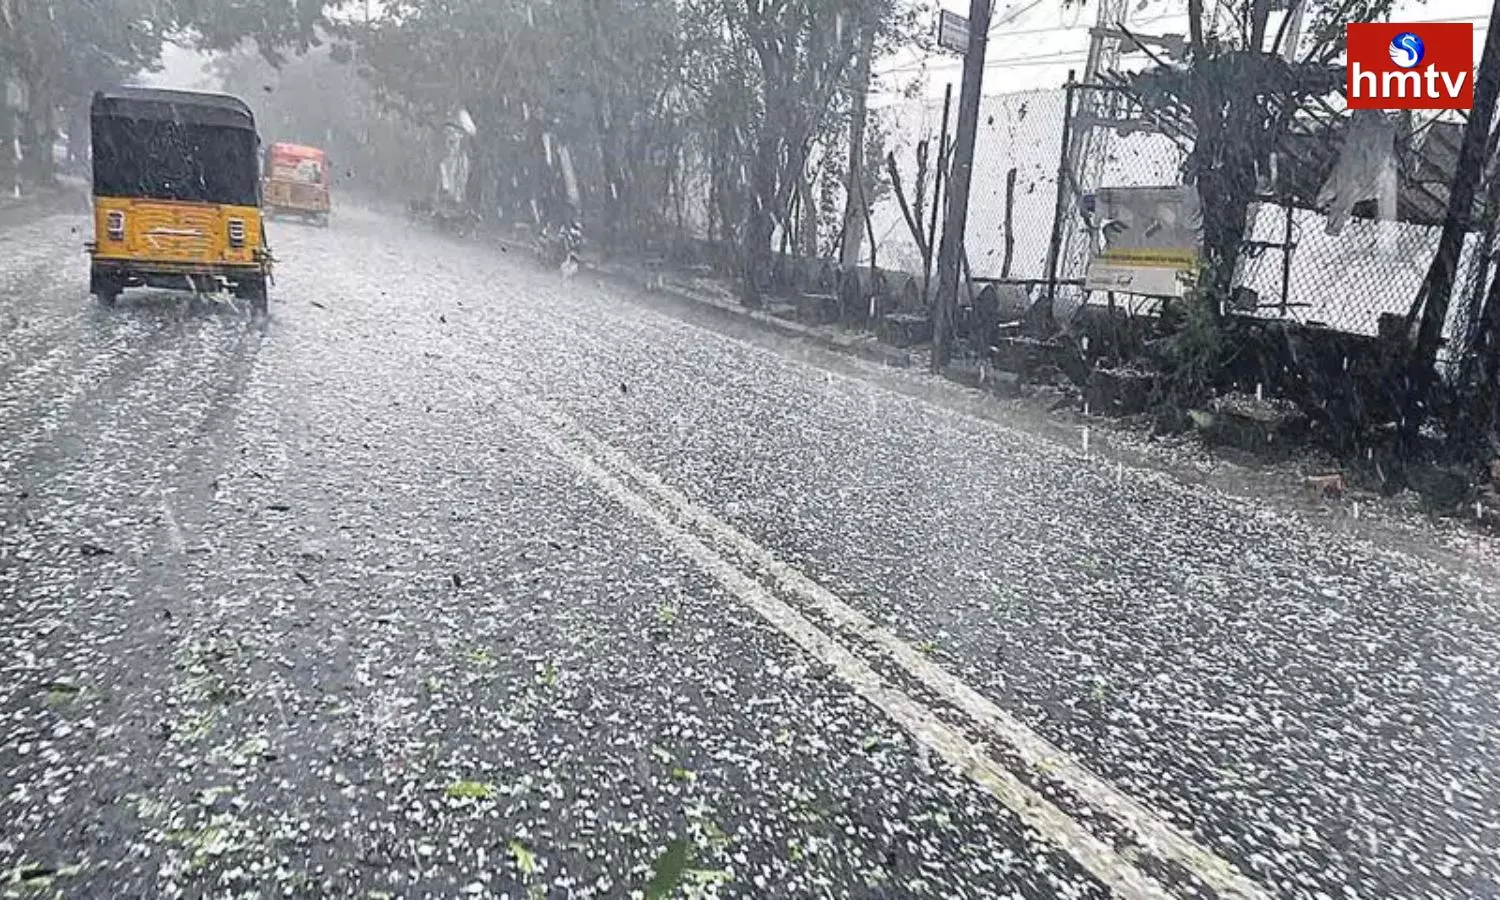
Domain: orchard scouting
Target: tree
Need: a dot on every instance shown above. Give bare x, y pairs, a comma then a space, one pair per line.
1241, 88
802, 49
61, 52
638, 92
614, 83
856, 205
271, 25
316, 99
803, 52
1241, 91
1437, 287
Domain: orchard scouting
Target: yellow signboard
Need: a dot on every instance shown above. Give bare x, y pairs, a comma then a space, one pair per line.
1151, 240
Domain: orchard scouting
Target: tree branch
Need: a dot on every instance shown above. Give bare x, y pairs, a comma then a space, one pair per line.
1140, 45
1323, 49
906, 213
1292, 10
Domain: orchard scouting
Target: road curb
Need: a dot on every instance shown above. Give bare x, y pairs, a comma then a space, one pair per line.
862, 346
865, 347
66, 196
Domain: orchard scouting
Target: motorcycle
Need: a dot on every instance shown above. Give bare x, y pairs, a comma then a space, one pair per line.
461, 223
447, 218
561, 247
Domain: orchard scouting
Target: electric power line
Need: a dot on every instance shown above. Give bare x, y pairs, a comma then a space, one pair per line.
1075, 56
1019, 32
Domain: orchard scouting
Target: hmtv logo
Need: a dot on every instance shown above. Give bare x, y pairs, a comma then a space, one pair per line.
1395, 65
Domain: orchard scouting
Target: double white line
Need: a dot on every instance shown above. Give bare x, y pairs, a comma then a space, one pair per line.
727, 555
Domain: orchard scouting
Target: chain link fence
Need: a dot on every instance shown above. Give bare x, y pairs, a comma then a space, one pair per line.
1028, 193
1292, 266
1010, 215
1350, 280
1107, 147
1344, 281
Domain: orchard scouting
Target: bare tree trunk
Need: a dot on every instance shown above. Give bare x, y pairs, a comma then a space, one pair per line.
1010, 230
1260, 15
37, 164
1225, 188
1487, 344
808, 245
78, 133
912, 214
10, 165
760, 224
854, 214
1481, 361
1477, 275
943, 160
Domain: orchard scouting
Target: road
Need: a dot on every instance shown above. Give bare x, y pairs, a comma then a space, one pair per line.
456, 578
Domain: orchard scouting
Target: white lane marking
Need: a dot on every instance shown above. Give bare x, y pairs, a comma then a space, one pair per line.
1094, 855
1156, 834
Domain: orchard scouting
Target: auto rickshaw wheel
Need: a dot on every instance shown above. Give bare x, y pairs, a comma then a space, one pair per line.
105, 288
254, 290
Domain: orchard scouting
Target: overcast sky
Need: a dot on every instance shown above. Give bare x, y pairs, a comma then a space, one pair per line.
1033, 44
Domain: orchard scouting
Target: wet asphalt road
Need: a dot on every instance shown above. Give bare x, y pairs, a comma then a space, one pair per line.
454, 578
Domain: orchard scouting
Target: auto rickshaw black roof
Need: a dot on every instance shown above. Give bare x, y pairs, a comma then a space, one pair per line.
158, 104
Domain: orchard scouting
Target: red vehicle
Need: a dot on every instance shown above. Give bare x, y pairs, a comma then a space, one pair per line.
296, 182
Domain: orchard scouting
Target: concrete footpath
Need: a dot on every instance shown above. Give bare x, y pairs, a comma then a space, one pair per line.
71, 194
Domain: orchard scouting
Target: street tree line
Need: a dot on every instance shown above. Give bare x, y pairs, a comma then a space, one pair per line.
1247, 67
318, 98
55, 53
657, 104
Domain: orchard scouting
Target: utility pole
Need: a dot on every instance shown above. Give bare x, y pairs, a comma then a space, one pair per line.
1085, 147
951, 249
1438, 286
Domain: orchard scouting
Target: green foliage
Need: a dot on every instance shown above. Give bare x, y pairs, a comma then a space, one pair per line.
469, 790
1237, 86
61, 52
271, 25
604, 80
523, 857
647, 95
670, 871
313, 99
1193, 355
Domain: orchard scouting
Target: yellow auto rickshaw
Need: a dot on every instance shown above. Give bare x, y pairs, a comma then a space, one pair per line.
176, 195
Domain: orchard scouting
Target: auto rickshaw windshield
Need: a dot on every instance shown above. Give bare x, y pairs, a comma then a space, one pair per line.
302, 170
167, 160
